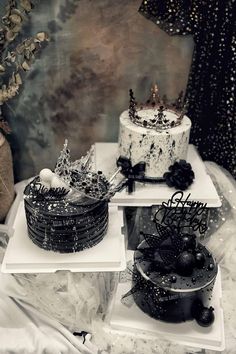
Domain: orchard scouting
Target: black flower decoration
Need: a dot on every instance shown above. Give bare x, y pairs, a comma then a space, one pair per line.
180, 175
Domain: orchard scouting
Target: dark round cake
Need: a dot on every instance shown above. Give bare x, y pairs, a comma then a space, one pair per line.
59, 222
174, 282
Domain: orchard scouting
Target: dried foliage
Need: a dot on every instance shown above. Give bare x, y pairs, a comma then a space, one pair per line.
13, 61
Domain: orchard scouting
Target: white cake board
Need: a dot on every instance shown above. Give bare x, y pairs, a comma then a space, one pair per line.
132, 319
23, 256
202, 189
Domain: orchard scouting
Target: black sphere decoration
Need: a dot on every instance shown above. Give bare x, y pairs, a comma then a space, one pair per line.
173, 279
180, 175
211, 266
200, 259
205, 317
185, 263
189, 242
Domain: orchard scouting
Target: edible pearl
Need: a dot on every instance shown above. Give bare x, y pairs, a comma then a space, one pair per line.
46, 175
56, 182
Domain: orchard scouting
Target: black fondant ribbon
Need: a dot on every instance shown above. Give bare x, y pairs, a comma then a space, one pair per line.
180, 175
134, 173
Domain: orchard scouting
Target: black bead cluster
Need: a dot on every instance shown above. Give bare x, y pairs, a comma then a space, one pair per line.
92, 184
190, 257
180, 175
169, 251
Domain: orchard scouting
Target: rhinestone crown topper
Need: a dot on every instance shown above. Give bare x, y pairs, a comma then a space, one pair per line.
73, 180
79, 176
152, 114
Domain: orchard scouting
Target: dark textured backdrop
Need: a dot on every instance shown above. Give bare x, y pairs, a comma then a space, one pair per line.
77, 90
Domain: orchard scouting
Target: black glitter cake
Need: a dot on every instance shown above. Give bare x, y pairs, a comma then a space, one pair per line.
173, 278
67, 210
63, 226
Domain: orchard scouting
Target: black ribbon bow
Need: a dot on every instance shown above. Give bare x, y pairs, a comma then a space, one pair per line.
131, 173
180, 175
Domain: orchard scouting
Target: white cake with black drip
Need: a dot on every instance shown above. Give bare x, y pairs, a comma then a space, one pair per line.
156, 133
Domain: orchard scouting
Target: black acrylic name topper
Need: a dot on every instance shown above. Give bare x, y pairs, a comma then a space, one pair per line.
182, 213
41, 193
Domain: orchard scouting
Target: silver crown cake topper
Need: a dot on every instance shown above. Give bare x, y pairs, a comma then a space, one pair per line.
158, 106
73, 180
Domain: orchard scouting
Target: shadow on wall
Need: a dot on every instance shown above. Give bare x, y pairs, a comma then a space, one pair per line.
80, 85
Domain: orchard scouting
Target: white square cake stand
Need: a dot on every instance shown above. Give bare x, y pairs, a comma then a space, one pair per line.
23, 256
131, 319
202, 189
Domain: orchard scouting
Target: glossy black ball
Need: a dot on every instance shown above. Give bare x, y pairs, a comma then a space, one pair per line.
211, 266
189, 242
185, 263
200, 259
205, 317
173, 279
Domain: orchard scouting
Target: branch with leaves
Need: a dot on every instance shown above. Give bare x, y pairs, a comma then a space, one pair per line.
13, 61
12, 22
20, 60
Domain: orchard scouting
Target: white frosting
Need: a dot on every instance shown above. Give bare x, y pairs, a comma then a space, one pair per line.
159, 149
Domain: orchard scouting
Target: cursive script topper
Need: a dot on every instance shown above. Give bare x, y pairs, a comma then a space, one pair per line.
182, 214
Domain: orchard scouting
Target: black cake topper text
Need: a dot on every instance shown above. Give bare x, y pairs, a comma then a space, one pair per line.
182, 213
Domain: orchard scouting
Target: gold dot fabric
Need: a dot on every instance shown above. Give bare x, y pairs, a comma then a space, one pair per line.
212, 79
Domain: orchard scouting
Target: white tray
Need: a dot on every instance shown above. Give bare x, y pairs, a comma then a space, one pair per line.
132, 319
23, 256
202, 189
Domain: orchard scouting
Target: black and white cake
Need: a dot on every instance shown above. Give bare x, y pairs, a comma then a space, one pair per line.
67, 210
173, 277
155, 132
